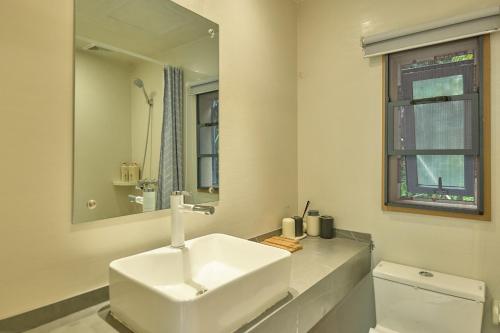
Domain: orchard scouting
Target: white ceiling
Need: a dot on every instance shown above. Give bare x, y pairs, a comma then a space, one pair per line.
146, 27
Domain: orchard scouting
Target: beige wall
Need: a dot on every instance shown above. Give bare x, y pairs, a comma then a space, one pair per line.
339, 117
102, 135
43, 258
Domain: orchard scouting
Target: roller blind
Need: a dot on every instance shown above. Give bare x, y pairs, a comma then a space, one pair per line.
473, 24
203, 87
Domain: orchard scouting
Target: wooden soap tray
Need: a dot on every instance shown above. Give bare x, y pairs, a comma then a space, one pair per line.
291, 245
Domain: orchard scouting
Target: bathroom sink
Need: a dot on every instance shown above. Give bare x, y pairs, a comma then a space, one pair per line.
216, 283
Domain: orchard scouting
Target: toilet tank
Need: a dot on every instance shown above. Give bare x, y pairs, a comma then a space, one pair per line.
414, 300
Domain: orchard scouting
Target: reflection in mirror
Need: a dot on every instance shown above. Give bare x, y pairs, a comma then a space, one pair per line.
146, 107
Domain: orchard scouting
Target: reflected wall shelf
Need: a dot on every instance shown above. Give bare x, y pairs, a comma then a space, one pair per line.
122, 183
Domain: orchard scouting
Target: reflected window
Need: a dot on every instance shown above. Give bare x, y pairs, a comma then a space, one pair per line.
207, 114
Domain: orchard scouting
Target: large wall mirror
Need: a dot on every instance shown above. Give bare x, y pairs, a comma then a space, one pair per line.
146, 107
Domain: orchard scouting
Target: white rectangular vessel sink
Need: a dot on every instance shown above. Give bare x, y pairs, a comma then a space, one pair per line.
216, 283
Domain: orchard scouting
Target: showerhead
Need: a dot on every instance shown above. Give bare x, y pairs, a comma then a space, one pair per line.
139, 83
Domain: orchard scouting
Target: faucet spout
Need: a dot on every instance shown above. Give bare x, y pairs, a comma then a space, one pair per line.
206, 210
178, 207
200, 209
136, 199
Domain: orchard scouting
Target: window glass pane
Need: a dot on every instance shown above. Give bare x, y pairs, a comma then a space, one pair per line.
399, 188
439, 70
209, 139
215, 172
440, 125
450, 168
208, 107
441, 86
208, 170
205, 172
443, 125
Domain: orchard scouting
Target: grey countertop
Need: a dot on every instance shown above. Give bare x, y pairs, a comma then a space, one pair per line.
323, 273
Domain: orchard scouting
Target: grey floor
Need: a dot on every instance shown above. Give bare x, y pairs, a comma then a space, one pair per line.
95, 319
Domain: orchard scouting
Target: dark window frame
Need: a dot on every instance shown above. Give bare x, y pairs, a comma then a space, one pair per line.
476, 153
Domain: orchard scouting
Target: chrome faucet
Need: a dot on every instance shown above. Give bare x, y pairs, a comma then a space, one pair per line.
177, 207
136, 199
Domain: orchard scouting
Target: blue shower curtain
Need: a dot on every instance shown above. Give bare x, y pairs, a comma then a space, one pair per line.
171, 175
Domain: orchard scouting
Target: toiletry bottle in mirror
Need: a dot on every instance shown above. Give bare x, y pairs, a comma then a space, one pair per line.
149, 203
133, 173
124, 172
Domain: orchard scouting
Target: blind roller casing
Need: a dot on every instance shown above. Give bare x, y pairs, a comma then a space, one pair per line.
473, 24
203, 87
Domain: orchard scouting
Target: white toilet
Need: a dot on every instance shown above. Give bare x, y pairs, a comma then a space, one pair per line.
413, 300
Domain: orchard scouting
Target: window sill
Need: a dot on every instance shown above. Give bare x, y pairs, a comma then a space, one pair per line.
208, 190
486, 216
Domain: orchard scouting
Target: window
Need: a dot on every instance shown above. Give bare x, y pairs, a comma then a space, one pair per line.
434, 128
207, 133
